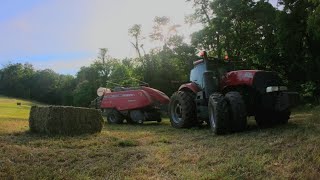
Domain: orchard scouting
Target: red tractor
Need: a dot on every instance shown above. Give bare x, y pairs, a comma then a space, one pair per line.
225, 98
135, 104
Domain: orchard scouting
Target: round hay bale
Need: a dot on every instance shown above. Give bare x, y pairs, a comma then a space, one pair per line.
64, 120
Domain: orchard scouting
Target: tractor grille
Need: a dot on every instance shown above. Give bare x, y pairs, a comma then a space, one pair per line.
264, 79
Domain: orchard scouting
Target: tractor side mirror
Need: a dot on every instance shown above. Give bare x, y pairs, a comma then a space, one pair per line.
210, 83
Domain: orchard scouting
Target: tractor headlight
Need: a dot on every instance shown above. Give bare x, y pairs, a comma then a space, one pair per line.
276, 88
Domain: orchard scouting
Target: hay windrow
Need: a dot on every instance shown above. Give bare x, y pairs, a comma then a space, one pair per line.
64, 120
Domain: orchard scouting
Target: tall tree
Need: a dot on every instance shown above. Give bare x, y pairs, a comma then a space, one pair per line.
135, 33
102, 54
163, 30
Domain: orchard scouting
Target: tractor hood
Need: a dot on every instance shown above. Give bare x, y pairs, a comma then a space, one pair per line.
259, 80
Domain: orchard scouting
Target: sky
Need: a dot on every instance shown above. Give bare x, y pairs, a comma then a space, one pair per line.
64, 35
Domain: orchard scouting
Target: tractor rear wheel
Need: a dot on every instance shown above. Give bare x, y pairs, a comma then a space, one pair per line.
182, 109
218, 108
238, 114
115, 117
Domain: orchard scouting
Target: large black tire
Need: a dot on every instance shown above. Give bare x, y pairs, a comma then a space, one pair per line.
137, 116
115, 117
182, 110
238, 114
153, 115
219, 119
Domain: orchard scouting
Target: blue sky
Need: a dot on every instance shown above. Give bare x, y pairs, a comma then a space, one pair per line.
66, 34
11, 8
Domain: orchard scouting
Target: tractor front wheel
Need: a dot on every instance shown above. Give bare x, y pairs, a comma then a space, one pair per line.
115, 117
238, 111
219, 118
182, 109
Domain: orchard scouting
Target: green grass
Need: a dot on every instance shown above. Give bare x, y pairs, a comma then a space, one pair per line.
12, 116
158, 151
9, 108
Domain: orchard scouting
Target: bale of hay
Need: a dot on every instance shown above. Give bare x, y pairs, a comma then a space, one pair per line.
64, 120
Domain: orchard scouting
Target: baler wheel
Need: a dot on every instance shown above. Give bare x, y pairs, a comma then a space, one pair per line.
115, 117
129, 120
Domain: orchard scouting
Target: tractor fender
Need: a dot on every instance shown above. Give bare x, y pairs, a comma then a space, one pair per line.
189, 87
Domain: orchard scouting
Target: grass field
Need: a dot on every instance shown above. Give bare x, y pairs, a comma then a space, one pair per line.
158, 151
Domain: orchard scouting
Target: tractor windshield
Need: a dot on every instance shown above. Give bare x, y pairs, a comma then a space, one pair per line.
218, 66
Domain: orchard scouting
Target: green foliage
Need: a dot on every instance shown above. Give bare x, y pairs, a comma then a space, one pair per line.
241, 29
311, 91
308, 89
16, 79
83, 94
67, 84
22, 80
314, 19
286, 41
111, 73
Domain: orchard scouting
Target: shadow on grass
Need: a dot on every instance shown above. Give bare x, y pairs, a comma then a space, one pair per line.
204, 129
164, 128
254, 127
125, 125
27, 137
254, 130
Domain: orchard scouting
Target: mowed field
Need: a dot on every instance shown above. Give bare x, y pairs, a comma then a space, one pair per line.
158, 151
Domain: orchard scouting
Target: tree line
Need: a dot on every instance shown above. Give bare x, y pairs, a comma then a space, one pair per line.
285, 39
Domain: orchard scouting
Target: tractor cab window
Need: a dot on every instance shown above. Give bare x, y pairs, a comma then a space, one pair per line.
196, 74
219, 67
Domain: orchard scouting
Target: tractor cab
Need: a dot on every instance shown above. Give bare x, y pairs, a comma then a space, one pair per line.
208, 72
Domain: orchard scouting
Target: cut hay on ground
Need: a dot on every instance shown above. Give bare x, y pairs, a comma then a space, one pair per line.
64, 120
